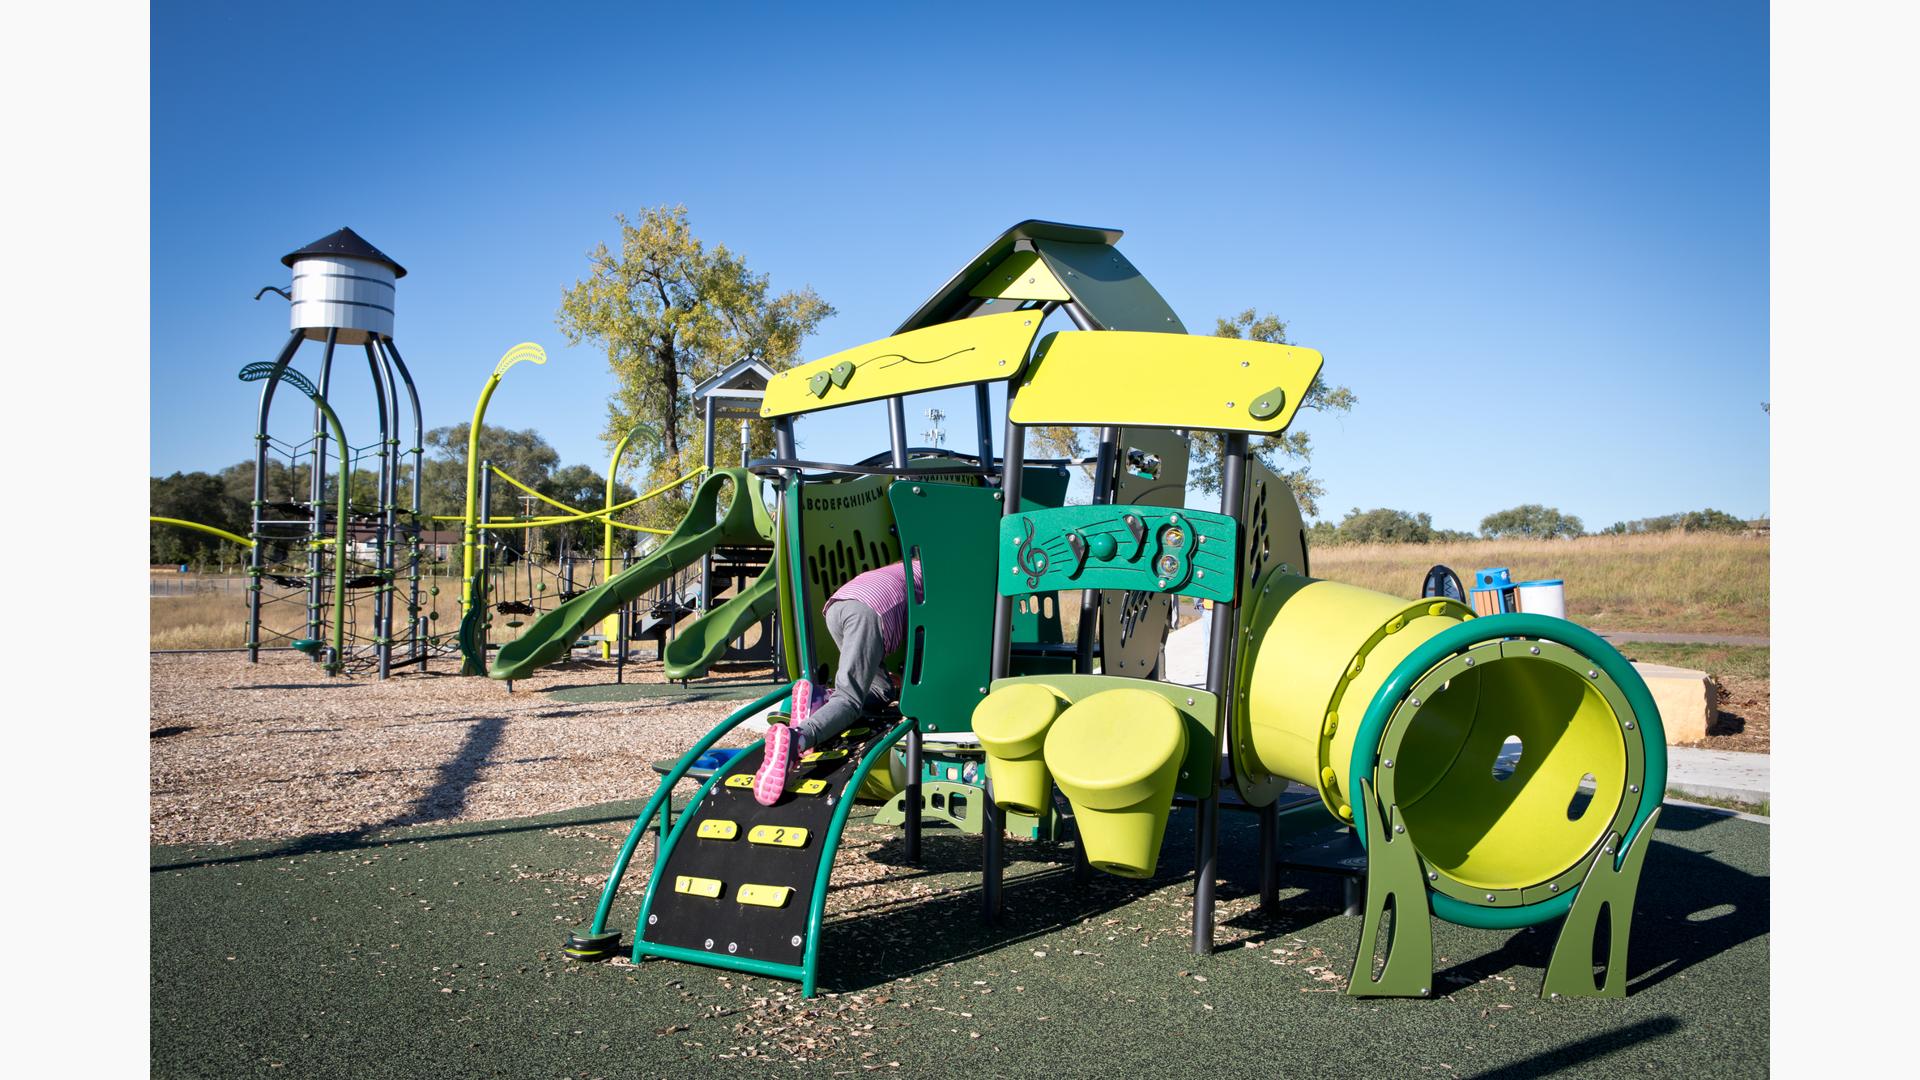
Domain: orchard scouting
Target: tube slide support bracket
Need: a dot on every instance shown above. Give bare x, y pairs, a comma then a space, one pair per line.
1610, 886
1393, 876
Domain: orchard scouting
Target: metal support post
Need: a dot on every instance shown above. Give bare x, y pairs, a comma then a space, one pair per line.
317, 496
992, 823
1220, 684
910, 800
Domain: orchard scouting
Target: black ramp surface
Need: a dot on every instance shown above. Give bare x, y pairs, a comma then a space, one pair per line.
684, 915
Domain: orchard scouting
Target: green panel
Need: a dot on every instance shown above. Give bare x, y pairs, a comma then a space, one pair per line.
950, 621
954, 529
1276, 538
1146, 549
1036, 620
1199, 709
1108, 288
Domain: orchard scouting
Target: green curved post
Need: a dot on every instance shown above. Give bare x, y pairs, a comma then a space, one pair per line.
665, 790
256, 372
816, 911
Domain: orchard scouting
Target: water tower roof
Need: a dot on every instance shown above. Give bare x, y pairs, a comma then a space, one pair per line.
344, 243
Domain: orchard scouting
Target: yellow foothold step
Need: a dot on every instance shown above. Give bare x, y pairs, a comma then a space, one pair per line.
1116, 756
807, 787
765, 895
741, 780
697, 886
719, 829
777, 835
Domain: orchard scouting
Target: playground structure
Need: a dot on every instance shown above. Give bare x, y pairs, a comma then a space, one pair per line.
1327, 710
305, 549
655, 593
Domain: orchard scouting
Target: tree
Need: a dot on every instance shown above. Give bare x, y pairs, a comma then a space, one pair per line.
201, 498
671, 311
1532, 522
1203, 469
581, 486
1708, 520
1383, 526
524, 455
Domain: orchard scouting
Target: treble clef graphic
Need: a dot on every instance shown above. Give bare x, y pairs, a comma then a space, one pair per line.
1032, 559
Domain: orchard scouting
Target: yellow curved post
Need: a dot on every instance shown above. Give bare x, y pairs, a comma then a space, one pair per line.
610, 626
221, 533
526, 350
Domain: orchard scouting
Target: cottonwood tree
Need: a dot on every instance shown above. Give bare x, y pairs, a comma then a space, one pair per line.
669, 310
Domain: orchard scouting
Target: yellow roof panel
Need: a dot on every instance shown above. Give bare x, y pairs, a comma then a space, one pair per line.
1129, 378
984, 349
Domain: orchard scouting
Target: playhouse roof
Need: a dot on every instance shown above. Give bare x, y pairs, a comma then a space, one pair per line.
344, 243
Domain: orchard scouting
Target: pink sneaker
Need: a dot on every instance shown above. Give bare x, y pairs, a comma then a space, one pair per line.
771, 780
806, 697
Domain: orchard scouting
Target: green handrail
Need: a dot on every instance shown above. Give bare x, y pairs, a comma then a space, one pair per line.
664, 792
816, 911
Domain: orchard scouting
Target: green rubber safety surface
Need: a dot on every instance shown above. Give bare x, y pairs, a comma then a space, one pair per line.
698, 690
436, 951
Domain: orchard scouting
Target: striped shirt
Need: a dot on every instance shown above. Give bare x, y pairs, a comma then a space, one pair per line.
885, 591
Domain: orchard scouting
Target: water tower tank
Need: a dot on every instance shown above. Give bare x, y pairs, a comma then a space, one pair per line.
343, 283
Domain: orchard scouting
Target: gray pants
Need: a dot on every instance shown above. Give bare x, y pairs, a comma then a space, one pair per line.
860, 684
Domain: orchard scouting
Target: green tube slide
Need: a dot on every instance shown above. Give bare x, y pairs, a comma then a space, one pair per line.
745, 522
697, 646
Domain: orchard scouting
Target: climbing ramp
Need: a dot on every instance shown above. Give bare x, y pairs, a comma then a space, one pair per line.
743, 886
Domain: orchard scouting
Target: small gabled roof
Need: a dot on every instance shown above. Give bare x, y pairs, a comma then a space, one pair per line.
343, 243
746, 373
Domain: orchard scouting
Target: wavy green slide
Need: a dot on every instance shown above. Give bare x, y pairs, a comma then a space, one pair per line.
746, 522
695, 648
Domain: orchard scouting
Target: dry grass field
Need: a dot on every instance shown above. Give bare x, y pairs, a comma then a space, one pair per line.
1695, 583
1701, 583
216, 616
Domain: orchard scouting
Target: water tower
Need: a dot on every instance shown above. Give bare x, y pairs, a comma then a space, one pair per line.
342, 295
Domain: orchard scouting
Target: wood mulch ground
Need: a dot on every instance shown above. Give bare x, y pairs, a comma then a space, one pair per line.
1745, 715
241, 751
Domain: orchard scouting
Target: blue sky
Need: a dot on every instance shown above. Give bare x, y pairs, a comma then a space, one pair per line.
1532, 238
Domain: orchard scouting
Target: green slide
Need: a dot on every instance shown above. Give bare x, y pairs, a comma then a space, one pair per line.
695, 648
550, 637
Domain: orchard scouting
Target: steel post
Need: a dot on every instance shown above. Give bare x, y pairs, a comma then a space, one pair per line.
317, 496
1220, 684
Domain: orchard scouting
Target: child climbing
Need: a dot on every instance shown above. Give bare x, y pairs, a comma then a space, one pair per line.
868, 619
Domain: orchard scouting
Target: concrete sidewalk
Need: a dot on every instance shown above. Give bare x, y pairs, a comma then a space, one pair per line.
1720, 774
